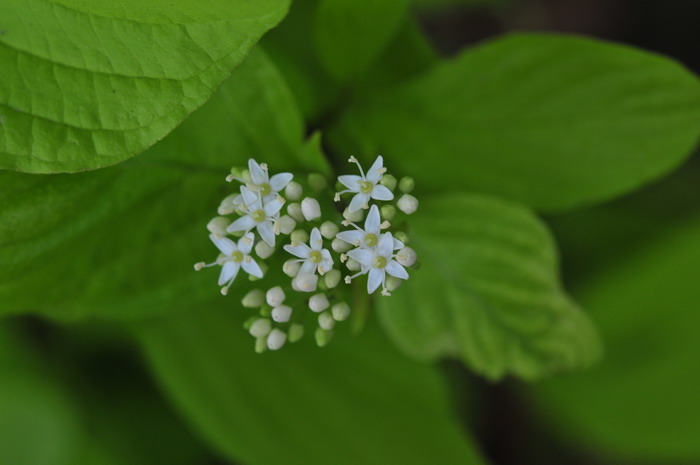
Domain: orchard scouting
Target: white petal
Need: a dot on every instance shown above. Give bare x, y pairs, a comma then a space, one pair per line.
280, 181
250, 198
363, 256
382, 193
376, 277
257, 174
316, 241
252, 268
307, 267
357, 202
396, 270
327, 258
373, 220
245, 243
375, 171
224, 244
398, 244
386, 245
273, 207
351, 237
228, 272
266, 233
351, 181
244, 223
301, 250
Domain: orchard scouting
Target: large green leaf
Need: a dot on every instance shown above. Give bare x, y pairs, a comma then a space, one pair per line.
551, 121
351, 34
356, 401
641, 402
487, 291
121, 241
87, 84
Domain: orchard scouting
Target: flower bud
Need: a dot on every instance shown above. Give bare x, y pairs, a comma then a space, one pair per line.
260, 345
406, 185
401, 236
286, 224
310, 209
218, 225
246, 177
227, 205
296, 332
293, 191
388, 181
275, 296
340, 246
305, 282
281, 313
299, 236
323, 337
291, 268
332, 278
388, 212
317, 182
260, 327
392, 283
326, 321
264, 250
265, 310
340, 311
253, 299
294, 210
318, 302
276, 339
355, 216
352, 265
329, 229
407, 204
406, 256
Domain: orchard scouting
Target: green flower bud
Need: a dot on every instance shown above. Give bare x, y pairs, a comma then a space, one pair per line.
294, 210
388, 181
296, 332
323, 337
406, 185
329, 229
326, 321
300, 236
340, 311
253, 299
317, 182
401, 236
332, 278
388, 212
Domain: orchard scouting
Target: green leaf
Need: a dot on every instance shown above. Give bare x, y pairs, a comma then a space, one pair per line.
488, 292
640, 403
550, 121
119, 242
351, 34
89, 84
354, 401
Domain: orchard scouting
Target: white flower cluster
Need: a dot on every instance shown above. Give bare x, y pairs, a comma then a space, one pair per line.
373, 250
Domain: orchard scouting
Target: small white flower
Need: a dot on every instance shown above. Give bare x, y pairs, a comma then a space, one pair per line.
368, 237
233, 257
275, 296
258, 215
313, 256
260, 180
407, 204
276, 339
365, 187
378, 262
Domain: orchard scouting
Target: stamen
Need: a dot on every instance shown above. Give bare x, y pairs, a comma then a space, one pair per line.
385, 225
231, 178
343, 257
263, 166
337, 197
385, 292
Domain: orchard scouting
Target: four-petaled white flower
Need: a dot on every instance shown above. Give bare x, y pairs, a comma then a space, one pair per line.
368, 237
313, 256
365, 187
234, 257
378, 262
258, 215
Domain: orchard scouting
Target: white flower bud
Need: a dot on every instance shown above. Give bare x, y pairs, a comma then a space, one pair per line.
326, 321
253, 299
406, 256
281, 313
352, 264
392, 283
227, 206
323, 337
306, 282
276, 339
310, 209
293, 191
296, 332
218, 225
332, 278
355, 216
329, 229
264, 250
260, 328
275, 296
291, 268
286, 224
340, 246
407, 204
318, 302
340, 311
294, 210
406, 185
299, 236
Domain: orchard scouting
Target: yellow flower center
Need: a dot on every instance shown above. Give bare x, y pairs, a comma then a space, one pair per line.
258, 215
315, 257
237, 256
371, 240
366, 187
265, 189
379, 262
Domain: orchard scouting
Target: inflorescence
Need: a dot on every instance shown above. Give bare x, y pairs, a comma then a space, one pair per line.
316, 245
